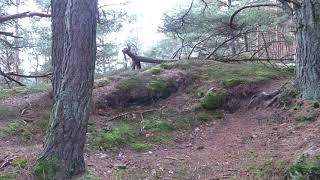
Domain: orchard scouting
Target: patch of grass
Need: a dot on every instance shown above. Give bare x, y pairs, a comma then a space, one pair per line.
132, 173
250, 154
156, 125
261, 168
230, 83
8, 176
164, 139
6, 113
156, 85
131, 83
10, 129
153, 70
15, 129
213, 101
121, 135
45, 169
310, 117
286, 97
23, 90
140, 147
20, 163
305, 169
88, 176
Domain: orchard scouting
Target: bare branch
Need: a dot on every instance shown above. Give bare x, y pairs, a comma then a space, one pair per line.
10, 34
246, 7
22, 15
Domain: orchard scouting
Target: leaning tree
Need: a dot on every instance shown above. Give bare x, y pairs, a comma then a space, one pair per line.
73, 56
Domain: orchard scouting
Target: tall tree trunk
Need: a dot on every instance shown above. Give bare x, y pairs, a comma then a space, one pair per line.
307, 19
232, 43
16, 41
74, 28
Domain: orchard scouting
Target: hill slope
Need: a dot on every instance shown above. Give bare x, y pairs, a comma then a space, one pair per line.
188, 120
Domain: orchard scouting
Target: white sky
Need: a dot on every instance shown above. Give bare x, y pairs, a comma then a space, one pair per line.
148, 14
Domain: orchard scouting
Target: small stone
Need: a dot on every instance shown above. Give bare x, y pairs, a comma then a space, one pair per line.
312, 151
200, 147
149, 152
120, 166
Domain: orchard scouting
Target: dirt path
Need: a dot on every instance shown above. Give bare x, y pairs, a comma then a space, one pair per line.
233, 148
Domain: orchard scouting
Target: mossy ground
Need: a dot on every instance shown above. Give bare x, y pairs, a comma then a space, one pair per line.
23, 90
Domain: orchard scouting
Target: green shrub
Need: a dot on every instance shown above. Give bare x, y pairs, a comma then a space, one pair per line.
120, 136
45, 169
156, 85
20, 163
130, 84
139, 147
153, 70
229, 83
213, 101
305, 169
8, 176
156, 125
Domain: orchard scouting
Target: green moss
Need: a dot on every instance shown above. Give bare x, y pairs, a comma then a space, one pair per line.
156, 85
15, 129
164, 139
130, 84
121, 135
305, 169
153, 70
311, 116
88, 176
8, 176
20, 163
156, 125
140, 147
45, 169
213, 101
229, 83
10, 129
23, 90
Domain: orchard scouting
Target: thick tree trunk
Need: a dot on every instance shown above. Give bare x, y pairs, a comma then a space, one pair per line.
307, 19
74, 51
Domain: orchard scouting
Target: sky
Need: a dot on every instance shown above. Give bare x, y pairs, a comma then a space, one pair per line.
148, 18
149, 14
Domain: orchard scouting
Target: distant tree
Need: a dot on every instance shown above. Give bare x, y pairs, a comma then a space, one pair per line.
305, 15
73, 56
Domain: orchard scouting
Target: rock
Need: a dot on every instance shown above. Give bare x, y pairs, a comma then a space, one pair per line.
312, 151
200, 147
120, 165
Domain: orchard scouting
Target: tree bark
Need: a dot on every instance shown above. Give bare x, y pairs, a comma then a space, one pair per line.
307, 75
74, 54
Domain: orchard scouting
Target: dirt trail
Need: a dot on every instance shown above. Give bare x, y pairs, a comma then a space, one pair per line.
217, 150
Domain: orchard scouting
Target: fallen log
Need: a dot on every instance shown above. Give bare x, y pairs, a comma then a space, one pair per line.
136, 60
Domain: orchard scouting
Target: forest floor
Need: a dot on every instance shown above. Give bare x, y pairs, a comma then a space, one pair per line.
179, 134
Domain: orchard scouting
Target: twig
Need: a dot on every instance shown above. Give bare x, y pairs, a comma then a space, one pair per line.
7, 162
133, 112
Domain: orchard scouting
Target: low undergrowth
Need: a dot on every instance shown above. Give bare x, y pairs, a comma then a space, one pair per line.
305, 169
23, 90
132, 134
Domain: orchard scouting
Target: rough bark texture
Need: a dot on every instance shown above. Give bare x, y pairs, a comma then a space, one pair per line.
74, 51
307, 19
